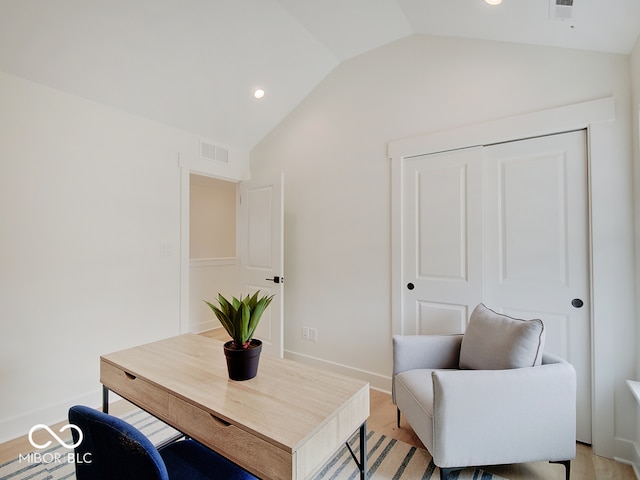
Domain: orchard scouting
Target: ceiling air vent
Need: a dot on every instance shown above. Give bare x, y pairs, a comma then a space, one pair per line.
561, 9
212, 152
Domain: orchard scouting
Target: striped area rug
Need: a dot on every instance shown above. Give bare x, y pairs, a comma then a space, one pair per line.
387, 458
390, 459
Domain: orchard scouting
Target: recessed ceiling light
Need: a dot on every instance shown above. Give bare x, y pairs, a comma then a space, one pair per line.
493, 2
259, 93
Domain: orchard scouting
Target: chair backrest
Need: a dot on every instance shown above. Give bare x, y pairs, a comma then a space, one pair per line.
113, 449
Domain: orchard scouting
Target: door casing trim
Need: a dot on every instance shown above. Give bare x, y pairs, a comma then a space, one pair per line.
596, 117
188, 165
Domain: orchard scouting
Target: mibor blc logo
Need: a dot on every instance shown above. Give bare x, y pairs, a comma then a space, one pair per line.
56, 437
55, 457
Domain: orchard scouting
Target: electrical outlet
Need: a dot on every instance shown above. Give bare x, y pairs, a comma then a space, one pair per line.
305, 333
166, 250
313, 334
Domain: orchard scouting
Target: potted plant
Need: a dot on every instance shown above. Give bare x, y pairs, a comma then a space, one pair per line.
240, 317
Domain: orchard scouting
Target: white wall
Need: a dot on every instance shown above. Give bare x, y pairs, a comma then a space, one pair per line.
212, 218
87, 196
332, 149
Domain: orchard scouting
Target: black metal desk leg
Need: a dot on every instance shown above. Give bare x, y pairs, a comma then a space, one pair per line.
363, 451
362, 463
105, 399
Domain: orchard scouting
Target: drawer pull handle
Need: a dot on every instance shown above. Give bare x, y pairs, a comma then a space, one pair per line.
129, 376
222, 422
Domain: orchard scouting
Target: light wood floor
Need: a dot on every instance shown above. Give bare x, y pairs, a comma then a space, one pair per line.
586, 466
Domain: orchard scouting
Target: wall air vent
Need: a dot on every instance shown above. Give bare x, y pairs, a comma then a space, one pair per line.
561, 9
213, 152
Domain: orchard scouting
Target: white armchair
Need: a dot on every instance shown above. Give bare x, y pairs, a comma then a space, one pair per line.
476, 417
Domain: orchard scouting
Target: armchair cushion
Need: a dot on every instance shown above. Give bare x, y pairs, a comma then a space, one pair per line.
493, 341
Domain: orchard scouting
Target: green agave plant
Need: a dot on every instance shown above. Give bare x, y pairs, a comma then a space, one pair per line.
240, 317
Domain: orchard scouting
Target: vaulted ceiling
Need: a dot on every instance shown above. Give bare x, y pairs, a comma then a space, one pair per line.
194, 64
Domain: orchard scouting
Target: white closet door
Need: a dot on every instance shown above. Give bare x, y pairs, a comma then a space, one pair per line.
505, 225
536, 253
442, 217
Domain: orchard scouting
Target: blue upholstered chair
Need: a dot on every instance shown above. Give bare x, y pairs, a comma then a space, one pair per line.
120, 451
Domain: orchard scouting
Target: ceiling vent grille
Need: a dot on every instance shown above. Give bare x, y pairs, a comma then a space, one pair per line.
561, 9
213, 152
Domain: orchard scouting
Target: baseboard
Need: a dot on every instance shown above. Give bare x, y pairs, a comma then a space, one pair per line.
628, 452
20, 425
204, 326
376, 381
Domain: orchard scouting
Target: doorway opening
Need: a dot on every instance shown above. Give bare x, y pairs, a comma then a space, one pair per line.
212, 247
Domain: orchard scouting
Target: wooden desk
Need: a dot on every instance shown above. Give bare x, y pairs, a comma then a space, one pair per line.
283, 424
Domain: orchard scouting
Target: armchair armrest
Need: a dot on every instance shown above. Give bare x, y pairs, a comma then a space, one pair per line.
523, 415
425, 351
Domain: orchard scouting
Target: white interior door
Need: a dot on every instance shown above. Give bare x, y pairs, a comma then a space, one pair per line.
261, 254
442, 216
536, 246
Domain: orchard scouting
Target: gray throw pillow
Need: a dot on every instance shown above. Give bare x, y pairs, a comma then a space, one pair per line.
494, 341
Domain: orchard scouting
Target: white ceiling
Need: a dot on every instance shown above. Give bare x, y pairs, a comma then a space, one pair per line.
193, 64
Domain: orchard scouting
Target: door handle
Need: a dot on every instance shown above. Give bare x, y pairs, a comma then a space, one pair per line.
576, 302
275, 279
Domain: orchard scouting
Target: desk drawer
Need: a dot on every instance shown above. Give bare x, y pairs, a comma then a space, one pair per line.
247, 450
139, 391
